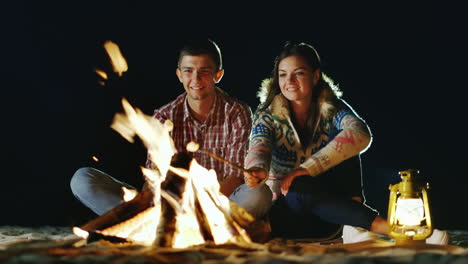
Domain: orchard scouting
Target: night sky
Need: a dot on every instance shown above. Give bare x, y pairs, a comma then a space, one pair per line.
397, 64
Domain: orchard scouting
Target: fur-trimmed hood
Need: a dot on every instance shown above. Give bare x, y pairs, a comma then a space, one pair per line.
280, 106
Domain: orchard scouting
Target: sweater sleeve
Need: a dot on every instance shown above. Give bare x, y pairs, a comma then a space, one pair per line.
261, 140
354, 138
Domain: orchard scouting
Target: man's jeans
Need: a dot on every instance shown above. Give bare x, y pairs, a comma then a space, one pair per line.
100, 192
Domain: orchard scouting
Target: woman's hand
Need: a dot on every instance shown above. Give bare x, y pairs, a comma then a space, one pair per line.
254, 176
286, 183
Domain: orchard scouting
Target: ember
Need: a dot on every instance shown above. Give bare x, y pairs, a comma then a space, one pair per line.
119, 63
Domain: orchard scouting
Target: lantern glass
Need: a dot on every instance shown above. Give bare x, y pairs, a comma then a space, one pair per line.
409, 211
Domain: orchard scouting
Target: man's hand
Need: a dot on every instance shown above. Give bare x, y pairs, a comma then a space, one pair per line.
254, 176
286, 183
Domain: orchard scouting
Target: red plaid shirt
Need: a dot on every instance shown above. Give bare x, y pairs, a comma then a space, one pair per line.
224, 133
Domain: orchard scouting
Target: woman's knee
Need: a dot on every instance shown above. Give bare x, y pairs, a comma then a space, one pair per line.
260, 197
261, 194
256, 200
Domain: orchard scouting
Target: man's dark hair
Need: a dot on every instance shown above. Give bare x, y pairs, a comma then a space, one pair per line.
200, 47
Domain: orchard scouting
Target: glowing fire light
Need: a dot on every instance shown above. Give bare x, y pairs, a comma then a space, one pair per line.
201, 207
129, 194
101, 73
118, 62
80, 232
155, 136
206, 188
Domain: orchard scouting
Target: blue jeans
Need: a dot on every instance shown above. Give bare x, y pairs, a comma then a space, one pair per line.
100, 192
97, 190
256, 201
313, 210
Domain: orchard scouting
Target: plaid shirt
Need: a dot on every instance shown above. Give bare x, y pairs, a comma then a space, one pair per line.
224, 133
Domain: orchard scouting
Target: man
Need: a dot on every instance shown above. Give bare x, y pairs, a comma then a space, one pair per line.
203, 114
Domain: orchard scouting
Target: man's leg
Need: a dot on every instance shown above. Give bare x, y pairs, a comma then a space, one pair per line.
97, 190
256, 201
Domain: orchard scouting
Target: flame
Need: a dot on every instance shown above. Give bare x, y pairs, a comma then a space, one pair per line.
80, 232
188, 229
101, 73
154, 135
200, 209
118, 62
129, 194
215, 205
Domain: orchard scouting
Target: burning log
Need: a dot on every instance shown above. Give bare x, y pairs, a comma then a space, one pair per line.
181, 204
122, 213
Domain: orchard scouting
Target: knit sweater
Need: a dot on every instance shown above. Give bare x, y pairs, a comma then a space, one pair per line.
276, 147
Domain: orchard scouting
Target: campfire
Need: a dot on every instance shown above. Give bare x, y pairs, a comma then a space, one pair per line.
180, 204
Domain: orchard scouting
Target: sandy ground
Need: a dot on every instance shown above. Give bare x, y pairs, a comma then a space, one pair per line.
49, 244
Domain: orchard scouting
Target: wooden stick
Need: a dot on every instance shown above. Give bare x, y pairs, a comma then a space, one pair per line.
260, 181
222, 160
194, 147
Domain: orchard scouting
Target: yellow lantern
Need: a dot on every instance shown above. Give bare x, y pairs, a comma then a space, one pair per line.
409, 215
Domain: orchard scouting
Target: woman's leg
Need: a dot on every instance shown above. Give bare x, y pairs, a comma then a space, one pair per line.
256, 201
306, 194
287, 224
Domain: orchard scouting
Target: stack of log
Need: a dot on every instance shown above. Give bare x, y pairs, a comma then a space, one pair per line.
181, 213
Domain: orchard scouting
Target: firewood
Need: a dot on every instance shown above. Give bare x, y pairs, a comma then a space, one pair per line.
182, 211
122, 212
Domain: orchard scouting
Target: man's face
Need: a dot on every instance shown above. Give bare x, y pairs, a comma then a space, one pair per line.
199, 75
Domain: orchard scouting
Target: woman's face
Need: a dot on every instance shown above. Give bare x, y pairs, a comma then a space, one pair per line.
296, 78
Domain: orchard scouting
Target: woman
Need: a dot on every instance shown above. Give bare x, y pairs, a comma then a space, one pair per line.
305, 142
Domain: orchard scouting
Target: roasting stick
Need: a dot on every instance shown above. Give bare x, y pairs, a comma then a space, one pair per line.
194, 147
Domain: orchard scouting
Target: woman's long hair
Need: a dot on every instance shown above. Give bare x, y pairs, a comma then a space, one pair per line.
312, 58
323, 90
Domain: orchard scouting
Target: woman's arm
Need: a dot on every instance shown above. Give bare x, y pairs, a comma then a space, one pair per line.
353, 139
258, 157
260, 144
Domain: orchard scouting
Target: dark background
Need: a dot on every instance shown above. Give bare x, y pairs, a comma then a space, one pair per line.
397, 63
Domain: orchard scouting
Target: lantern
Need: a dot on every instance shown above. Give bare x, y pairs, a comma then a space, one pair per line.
409, 215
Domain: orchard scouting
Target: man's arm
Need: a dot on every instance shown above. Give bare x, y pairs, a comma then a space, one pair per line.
236, 149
